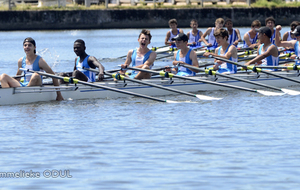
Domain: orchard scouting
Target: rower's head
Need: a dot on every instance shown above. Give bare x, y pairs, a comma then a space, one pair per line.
221, 35
79, 47
29, 43
264, 33
181, 40
173, 24
228, 23
144, 38
270, 22
194, 24
219, 23
255, 24
296, 32
294, 24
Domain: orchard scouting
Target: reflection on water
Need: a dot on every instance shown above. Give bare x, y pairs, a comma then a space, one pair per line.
245, 141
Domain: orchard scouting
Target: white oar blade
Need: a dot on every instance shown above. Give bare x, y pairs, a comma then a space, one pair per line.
268, 93
203, 97
290, 92
171, 101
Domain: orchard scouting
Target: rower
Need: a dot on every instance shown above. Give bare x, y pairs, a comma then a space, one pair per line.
194, 35
32, 62
226, 51
250, 38
234, 33
270, 22
293, 44
267, 54
212, 43
174, 31
184, 55
141, 57
289, 36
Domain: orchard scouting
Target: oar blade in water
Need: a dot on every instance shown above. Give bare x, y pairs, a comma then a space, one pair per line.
291, 92
268, 93
203, 97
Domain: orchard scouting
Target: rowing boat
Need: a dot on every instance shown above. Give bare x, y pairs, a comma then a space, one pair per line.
21, 95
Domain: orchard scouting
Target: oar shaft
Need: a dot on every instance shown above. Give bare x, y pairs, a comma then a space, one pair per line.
232, 77
260, 70
195, 80
96, 85
147, 83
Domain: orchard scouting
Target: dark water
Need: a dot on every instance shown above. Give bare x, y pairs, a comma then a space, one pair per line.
245, 141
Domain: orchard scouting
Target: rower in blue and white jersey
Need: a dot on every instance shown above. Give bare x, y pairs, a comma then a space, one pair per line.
270, 22
139, 60
251, 37
184, 55
194, 41
290, 44
251, 40
234, 34
194, 35
141, 57
85, 61
225, 50
290, 38
227, 67
271, 60
174, 31
35, 67
84, 64
267, 54
212, 43
32, 62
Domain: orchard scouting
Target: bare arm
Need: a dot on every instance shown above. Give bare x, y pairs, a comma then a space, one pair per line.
270, 51
19, 72
43, 65
285, 36
207, 32
93, 62
280, 43
167, 42
239, 37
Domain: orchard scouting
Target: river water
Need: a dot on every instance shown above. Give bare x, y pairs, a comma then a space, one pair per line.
245, 141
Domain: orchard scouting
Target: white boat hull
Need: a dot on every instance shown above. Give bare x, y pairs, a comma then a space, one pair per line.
21, 95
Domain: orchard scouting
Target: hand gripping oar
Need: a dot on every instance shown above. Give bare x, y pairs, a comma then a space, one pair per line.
121, 77
290, 92
171, 75
211, 72
76, 81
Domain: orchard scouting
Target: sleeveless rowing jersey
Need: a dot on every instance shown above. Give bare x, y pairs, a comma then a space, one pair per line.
136, 61
212, 39
289, 38
196, 38
297, 52
35, 67
172, 35
233, 37
227, 67
252, 40
270, 60
272, 39
183, 71
89, 74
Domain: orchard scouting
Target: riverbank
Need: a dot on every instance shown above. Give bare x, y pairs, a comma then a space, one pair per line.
138, 18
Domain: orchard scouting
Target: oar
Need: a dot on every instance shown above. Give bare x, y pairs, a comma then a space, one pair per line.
211, 72
75, 81
171, 75
121, 77
291, 92
156, 48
